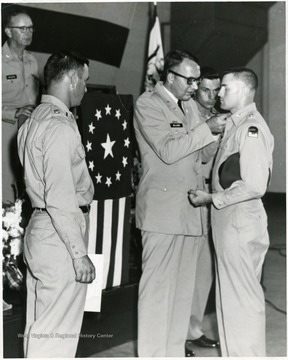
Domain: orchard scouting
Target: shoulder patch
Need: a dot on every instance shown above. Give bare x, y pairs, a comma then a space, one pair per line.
253, 131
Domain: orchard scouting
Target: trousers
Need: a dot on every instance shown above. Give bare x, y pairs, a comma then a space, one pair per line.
55, 301
203, 283
165, 293
241, 241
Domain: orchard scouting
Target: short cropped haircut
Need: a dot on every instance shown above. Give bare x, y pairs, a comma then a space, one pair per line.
10, 15
209, 73
174, 58
60, 63
248, 76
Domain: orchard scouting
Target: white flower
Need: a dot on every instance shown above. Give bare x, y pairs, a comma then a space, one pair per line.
4, 235
16, 247
14, 233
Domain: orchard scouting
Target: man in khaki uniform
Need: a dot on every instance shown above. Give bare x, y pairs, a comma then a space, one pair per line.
172, 141
205, 97
240, 177
20, 89
60, 188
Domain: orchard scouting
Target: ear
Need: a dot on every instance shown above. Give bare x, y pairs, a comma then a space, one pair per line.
245, 90
170, 78
73, 77
8, 33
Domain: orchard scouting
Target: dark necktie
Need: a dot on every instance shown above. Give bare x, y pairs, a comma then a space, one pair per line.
180, 106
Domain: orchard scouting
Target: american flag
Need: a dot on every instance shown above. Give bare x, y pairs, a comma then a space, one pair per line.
106, 134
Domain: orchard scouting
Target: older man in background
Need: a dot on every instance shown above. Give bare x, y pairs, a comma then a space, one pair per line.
20, 90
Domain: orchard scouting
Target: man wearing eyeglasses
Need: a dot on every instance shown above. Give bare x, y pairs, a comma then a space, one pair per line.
173, 141
20, 90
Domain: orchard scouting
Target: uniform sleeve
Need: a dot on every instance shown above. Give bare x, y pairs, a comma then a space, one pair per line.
209, 151
60, 150
152, 125
254, 170
8, 113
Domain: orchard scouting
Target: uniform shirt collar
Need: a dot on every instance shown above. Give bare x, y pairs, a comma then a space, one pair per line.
7, 55
239, 115
170, 94
57, 102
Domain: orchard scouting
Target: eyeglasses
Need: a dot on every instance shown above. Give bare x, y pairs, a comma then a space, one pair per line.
23, 29
190, 80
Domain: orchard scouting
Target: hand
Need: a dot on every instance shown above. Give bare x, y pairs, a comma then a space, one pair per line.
24, 111
199, 197
217, 123
84, 269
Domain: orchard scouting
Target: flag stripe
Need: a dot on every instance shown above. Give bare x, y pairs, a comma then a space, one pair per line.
119, 245
114, 239
99, 226
126, 242
107, 235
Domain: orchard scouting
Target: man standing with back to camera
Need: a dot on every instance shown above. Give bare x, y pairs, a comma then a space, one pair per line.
240, 177
205, 97
172, 142
60, 189
20, 90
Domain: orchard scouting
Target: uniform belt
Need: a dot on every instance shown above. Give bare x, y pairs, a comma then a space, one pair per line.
85, 209
208, 181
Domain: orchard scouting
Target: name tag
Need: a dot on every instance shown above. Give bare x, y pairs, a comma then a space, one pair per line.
11, 77
176, 125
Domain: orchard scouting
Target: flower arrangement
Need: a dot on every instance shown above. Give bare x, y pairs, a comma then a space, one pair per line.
12, 244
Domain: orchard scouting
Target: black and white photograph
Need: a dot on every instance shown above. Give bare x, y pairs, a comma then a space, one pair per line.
143, 152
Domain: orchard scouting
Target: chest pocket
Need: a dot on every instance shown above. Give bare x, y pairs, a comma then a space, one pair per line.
177, 129
12, 79
12, 88
230, 146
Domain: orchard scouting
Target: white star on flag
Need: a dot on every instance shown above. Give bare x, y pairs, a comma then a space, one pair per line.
91, 128
89, 145
98, 114
124, 161
118, 114
108, 147
126, 142
91, 165
118, 175
98, 178
124, 124
108, 109
108, 181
